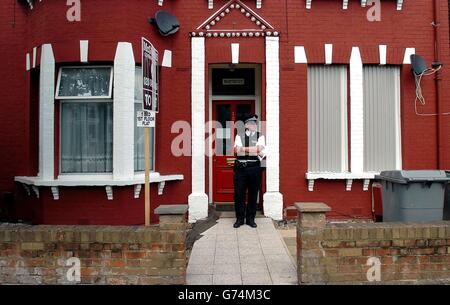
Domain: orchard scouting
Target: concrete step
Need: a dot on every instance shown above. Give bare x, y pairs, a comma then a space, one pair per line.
229, 214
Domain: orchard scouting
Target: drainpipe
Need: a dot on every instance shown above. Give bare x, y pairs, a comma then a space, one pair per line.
437, 78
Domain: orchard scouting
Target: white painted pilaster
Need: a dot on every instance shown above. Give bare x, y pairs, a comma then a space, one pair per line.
198, 200
46, 113
356, 112
123, 112
273, 199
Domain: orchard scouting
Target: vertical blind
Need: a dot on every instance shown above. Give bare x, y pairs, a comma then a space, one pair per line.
327, 118
381, 118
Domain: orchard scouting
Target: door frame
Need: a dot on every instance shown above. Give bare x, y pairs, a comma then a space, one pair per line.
234, 103
211, 98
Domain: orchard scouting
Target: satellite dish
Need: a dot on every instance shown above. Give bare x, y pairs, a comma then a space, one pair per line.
420, 69
418, 64
166, 23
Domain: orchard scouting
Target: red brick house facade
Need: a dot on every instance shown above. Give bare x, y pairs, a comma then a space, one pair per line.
331, 80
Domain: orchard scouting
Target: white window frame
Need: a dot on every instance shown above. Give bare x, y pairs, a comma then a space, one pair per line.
351, 175
256, 97
111, 78
60, 173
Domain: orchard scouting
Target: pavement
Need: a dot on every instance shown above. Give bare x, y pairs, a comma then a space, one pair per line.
224, 255
290, 239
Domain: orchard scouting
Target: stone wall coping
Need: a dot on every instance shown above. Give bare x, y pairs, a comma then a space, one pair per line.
172, 209
389, 225
75, 228
387, 231
312, 207
80, 234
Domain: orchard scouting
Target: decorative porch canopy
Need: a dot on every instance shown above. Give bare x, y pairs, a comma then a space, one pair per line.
253, 25
211, 4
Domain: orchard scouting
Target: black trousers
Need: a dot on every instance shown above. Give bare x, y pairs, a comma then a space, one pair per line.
246, 179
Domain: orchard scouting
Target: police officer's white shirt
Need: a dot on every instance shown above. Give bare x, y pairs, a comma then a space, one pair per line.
261, 141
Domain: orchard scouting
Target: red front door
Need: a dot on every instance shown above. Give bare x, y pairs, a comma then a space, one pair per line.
226, 113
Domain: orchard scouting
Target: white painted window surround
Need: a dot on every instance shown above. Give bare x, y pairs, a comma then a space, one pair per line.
84, 51
356, 131
106, 181
96, 180
300, 55
123, 147
359, 168
363, 3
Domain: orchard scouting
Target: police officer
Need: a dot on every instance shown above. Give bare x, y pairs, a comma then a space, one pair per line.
249, 147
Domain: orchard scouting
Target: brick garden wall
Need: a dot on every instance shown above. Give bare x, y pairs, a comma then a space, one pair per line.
107, 254
337, 253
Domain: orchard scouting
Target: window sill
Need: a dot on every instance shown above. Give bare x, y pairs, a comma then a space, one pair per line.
349, 177
106, 181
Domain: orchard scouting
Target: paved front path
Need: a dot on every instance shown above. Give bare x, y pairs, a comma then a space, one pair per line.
228, 256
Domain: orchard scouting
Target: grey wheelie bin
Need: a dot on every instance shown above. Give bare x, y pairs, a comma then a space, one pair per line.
447, 200
416, 195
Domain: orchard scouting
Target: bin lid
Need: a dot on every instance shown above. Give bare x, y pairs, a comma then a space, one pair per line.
406, 176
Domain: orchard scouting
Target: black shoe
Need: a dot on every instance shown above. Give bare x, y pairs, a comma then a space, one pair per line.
238, 223
251, 223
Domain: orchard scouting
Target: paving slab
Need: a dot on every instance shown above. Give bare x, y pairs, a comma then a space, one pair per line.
199, 279
195, 269
224, 255
256, 279
227, 279
201, 259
